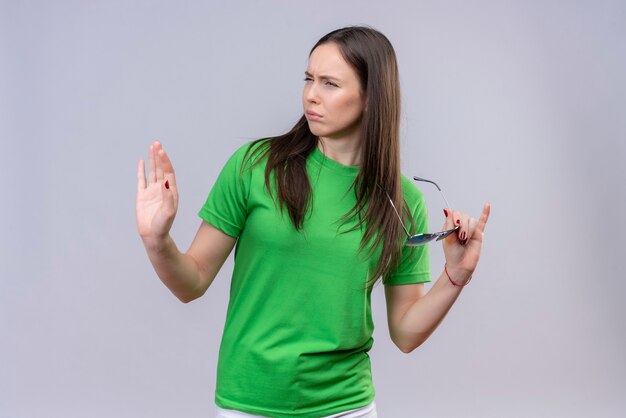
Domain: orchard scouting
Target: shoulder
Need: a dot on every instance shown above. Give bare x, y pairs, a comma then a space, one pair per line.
251, 148
248, 155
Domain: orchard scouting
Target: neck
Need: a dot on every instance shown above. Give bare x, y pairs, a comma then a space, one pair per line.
346, 151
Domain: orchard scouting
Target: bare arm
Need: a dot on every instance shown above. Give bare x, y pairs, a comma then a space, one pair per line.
187, 275
412, 315
417, 315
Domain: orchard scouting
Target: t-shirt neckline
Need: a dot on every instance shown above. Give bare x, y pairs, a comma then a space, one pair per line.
321, 159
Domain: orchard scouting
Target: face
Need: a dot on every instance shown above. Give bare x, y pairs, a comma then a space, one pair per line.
332, 98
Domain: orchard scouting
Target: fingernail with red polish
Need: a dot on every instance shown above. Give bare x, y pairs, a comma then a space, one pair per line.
167, 184
445, 212
458, 222
463, 236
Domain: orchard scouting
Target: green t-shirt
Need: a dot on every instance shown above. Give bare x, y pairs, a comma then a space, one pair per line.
299, 324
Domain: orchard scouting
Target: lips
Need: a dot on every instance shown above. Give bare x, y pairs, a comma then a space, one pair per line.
312, 115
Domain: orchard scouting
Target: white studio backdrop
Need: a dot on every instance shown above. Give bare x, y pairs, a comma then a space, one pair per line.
519, 103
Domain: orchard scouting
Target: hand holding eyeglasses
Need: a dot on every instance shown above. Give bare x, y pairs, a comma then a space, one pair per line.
462, 250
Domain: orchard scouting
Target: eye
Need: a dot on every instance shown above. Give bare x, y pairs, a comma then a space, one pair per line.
330, 83
307, 78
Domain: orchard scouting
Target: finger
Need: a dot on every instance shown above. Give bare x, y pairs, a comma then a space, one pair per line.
141, 175
452, 221
449, 223
168, 168
471, 227
151, 166
463, 223
482, 222
159, 166
456, 218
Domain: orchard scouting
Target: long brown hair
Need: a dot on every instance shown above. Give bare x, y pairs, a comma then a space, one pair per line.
372, 57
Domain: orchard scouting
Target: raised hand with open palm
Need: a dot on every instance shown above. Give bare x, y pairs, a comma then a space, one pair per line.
157, 198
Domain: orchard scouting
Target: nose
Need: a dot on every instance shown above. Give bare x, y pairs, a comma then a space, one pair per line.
310, 93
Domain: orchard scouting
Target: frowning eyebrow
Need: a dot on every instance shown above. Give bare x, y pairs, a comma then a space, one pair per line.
323, 76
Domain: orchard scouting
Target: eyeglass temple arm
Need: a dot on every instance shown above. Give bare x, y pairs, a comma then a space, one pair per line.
396, 211
438, 188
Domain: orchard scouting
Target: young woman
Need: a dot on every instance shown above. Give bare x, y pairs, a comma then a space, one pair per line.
315, 217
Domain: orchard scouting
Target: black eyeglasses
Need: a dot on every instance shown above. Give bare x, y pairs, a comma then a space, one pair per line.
421, 239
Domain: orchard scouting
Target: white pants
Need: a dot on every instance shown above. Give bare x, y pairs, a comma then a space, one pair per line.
367, 411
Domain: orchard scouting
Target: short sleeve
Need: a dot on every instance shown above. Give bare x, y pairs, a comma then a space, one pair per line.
226, 205
414, 264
